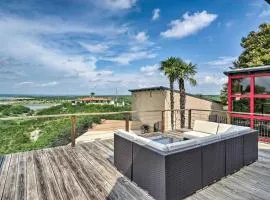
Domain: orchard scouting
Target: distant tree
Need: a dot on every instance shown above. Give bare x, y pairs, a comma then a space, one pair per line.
224, 94
256, 48
92, 94
184, 72
168, 68
256, 52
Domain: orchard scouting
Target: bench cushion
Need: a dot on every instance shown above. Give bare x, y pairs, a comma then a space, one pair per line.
205, 126
223, 128
228, 128
195, 134
151, 143
127, 135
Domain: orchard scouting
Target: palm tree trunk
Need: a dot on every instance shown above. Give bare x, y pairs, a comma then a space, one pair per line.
182, 102
172, 103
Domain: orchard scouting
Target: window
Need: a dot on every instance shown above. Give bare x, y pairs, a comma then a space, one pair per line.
262, 85
241, 86
241, 105
262, 106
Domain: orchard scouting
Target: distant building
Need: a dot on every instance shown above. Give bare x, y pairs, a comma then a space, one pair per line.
96, 100
156, 99
249, 92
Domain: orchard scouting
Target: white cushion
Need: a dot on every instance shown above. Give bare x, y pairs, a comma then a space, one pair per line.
195, 134
227, 128
205, 126
151, 143
181, 145
222, 128
233, 131
127, 135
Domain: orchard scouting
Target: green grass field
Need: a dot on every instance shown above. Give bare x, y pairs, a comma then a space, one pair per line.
15, 135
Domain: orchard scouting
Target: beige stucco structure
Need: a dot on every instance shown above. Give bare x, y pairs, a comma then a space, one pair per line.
158, 98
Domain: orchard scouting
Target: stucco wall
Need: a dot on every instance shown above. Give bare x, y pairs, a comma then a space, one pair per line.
160, 100
147, 101
191, 103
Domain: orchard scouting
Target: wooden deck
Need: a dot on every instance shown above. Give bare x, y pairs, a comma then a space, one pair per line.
87, 172
83, 172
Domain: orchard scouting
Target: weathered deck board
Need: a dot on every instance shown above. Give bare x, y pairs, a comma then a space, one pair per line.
31, 183
86, 172
3, 174
68, 185
81, 176
1, 161
10, 184
21, 178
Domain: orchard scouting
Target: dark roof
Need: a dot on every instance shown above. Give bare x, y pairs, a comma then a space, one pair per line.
166, 88
148, 89
249, 70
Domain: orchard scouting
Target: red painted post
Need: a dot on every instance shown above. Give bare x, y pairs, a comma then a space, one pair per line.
229, 100
251, 109
229, 94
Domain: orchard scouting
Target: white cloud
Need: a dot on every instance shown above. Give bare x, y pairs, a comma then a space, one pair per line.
95, 48
214, 80
33, 84
156, 14
48, 26
48, 84
25, 83
265, 12
127, 58
141, 37
223, 61
149, 70
26, 47
189, 25
118, 4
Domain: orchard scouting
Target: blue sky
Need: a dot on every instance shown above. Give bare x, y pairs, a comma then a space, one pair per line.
83, 46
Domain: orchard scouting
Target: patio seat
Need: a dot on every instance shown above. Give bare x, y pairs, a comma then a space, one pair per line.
227, 130
150, 143
195, 134
205, 126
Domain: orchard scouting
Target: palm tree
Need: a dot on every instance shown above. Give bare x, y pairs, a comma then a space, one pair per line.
185, 72
168, 68
92, 94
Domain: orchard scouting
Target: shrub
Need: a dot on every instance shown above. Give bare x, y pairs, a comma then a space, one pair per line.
15, 110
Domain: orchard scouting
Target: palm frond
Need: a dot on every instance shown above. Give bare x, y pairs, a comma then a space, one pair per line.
192, 81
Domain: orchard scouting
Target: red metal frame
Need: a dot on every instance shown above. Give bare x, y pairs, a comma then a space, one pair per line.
252, 96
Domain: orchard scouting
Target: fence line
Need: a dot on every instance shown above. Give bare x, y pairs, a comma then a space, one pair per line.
191, 115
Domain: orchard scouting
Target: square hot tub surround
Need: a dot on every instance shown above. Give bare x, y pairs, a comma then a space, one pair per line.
175, 167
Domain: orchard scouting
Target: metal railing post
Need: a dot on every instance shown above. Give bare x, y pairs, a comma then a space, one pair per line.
189, 119
127, 116
162, 121
73, 131
229, 118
